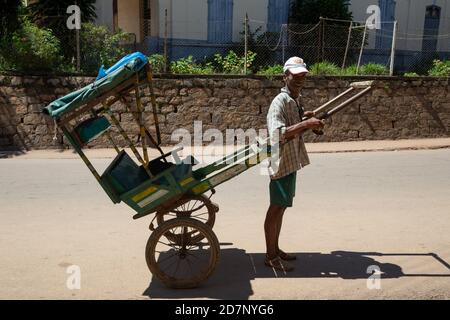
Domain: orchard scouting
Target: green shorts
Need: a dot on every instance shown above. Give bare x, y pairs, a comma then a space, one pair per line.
282, 191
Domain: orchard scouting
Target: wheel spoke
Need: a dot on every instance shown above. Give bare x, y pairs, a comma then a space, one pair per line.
167, 258
192, 232
190, 266
176, 269
200, 214
198, 208
167, 267
199, 245
193, 206
189, 206
204, 219
168, 233
176, 233
182, 237
161, 252
193, 255
169, 245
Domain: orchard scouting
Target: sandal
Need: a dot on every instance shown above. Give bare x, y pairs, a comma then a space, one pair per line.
277, 264
286, 256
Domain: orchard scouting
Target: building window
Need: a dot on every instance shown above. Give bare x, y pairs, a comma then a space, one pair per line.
220, 21
433, 12
431, 28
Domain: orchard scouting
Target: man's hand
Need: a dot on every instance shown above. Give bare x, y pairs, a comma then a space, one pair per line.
314, 123
309, 114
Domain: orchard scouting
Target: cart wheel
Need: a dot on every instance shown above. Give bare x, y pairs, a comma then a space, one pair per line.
185, 264
198, 207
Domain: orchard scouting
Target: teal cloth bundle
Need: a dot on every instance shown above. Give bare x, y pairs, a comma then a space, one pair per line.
123, 70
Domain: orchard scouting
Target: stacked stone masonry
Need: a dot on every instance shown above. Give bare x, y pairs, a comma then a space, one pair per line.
397, 108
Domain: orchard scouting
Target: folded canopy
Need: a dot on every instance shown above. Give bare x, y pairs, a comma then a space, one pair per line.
123, 70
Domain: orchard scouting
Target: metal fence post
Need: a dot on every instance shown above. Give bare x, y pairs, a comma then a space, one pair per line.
77, 35
362, 48
284, 35
165, 42
245, 42
321, 35
394, 40
348, 45
323, 39
77, 39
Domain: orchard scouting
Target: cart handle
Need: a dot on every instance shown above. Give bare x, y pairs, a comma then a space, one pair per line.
173, 153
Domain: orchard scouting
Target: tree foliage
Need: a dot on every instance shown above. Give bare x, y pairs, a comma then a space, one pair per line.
310, 11
53, 15
31, 49
9, 16
100, 47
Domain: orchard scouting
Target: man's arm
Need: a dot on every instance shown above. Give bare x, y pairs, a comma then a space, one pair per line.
301, 127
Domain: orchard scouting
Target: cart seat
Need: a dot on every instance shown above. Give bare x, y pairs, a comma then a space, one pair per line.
90, 129
123, 174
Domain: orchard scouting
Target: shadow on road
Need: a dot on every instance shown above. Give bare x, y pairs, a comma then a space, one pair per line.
236, 269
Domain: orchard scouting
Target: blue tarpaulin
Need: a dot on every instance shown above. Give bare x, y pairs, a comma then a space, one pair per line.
106, 81
122, 62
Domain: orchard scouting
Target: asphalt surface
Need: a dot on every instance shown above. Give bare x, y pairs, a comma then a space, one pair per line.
352, 211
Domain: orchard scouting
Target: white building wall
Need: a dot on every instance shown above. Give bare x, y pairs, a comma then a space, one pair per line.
187, 19
129, 19
156, 18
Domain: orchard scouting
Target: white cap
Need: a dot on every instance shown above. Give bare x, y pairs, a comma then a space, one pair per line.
295, 65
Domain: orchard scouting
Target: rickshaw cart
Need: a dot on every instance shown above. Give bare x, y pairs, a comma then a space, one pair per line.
182, 251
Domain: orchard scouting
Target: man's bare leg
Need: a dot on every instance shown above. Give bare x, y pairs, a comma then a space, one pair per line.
272, 227
279, 223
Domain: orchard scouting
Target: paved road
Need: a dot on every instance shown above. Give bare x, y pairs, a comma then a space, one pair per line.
353, 210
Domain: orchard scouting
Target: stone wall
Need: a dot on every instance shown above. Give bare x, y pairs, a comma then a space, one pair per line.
397, 108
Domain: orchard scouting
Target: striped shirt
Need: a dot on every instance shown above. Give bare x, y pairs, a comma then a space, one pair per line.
287, 156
